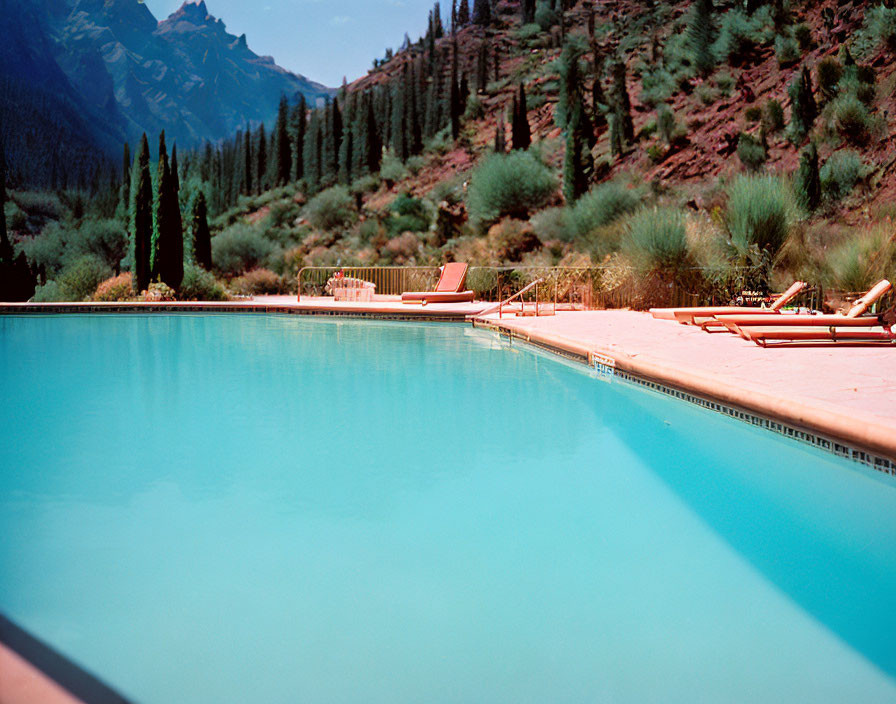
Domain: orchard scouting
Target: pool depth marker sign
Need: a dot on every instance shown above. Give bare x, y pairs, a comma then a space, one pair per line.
604, 366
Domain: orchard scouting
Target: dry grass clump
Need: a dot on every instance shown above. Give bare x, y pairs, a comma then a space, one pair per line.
117, 288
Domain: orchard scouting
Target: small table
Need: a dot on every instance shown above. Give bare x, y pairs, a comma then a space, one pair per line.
349, 289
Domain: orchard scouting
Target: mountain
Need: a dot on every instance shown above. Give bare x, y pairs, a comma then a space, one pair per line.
110, 71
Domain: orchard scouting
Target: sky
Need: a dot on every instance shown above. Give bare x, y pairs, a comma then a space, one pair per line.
323, 40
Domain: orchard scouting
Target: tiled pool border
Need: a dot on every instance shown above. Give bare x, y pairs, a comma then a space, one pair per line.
873, 460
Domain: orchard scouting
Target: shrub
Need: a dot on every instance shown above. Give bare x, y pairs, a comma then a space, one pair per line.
200, 285
665, 122
118, 288
552, 224
474, 109
408, 214
829, 72
509, 184
47, 250
601, 206
787, 51
881, 22
159, 291
391, 168
742, 33
528, 31
39, 203
107, 240
402, 248
808, 179
803, 35
657, 87
753, 114
707, 94
48, 293
656, 240
758, 215
726, 83
16, 219
366, 184
80, 279
545, 17
751, 152
511, 239
239, 248
841, 173
851, 119
861, 260
258, 282
773, 116
331, 209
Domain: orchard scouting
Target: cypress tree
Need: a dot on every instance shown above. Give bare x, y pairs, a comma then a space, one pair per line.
454, 107
247, 162
168, 243
804, 109
521, 134
160, 214
808, 181
701, 35
453, 17
336, 126
399, 121
528, 11
284, 148
126, 175
262, 154
578, 163
598, 99
438, 28
202, 238
175, 170
347, 146
175, 268
622, 107
500, 135
415, 135
299, 121
482, 67
463, 13
374, 144
141, 219
482, 13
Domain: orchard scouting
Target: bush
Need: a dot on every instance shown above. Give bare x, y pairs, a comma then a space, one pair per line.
656, 240
829, 72
509, 184
366, 184
511, 239
881, 22
39, 203
258, 282
773, 116
657, 87
474, 109
861, 260
48, 293
803, 35
753, 114
601, 206
758, 215
528, 32
200, 285
391, 168
742, 33
851, 119
331, 209
47, 250
400, 249
665, 123
726, 83
787, 51
552, 224
545, 17
107, 240
707, 94
81, 278
408, 214
751, 152
239, 248
841, 173
118, 288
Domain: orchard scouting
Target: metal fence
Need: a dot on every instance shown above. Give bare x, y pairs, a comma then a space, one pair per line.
581, 288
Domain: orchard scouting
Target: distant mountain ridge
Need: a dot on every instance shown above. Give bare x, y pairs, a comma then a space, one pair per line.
110, 71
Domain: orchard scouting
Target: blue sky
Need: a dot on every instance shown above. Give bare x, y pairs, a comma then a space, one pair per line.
321, 39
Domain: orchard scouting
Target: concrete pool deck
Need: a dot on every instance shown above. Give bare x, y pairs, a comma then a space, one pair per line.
844, 392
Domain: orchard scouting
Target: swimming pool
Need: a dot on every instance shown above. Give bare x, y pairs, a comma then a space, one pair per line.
244, 508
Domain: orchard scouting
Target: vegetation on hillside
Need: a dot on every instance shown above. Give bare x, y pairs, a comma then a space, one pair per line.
706, 144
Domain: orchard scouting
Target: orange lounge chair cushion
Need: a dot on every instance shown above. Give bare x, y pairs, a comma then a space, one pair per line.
437, 296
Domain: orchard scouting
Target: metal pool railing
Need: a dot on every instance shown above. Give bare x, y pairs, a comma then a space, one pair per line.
567, 287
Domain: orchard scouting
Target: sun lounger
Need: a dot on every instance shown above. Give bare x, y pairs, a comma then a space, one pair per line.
695, 315
447, 290
835, 333
852, 319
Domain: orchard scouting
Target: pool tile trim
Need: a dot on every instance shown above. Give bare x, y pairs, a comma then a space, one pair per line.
804, 434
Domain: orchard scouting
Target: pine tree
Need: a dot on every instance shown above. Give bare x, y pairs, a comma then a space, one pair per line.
262, 157
168, 243
175, 170
284, 147
701, 35
520, 131
598, 99
804, 109
347, 147
438, 28
578, 164
141, 219
374, 144
299, 127
482, 12
415, 132
175, 269
808, 181
336, 129
463, 13
202, 238
247, 162
622, 107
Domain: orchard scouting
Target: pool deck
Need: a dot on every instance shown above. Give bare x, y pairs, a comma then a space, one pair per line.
844, 392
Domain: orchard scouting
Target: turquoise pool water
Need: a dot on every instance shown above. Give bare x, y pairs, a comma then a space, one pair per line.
276, 509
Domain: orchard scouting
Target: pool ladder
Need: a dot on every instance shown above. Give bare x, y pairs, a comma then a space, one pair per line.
500, 306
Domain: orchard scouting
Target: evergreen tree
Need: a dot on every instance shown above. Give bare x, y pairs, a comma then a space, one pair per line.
453, 17
335, 141
598, 99
168, 243
701, 36
804, 109
160, 214
284, 147
202, 238
347, 146
528, 11
482, 12
578, 164
482, 67
247, 162
454, 107
463, 13
175, 170
438, 28
126, 176
262, 157
176, 265
16, 279
374, 144
521, 134
299, 126
141, 219
622, 107
501, 134
808, 181
415, 133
